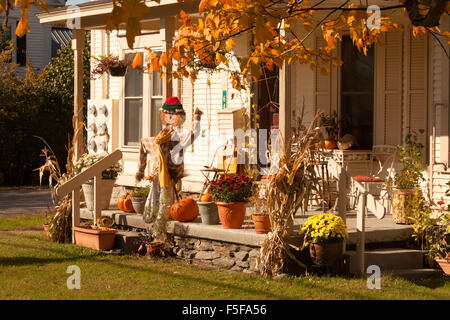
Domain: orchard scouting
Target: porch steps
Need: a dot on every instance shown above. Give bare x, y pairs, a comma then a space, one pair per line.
390, 259
128, 241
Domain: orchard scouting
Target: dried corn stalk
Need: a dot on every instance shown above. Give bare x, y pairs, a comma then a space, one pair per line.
60, 228
288, 191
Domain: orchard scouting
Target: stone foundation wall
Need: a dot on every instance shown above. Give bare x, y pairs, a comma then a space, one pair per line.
228, 256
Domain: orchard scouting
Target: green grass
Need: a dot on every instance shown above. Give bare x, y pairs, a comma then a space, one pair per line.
32, 267
22, 221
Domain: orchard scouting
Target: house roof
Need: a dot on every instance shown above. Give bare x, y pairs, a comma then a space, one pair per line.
95, 14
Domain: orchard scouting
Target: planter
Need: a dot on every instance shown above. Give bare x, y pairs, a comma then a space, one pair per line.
117, 71
138, 204
231, 214
106, 189
209, 213
99, 239
327, 254
402, 205
46, 229
330, 144
445, 265
262, 223
154, 248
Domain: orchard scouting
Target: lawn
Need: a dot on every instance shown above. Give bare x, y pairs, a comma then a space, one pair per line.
32, 267
22, 221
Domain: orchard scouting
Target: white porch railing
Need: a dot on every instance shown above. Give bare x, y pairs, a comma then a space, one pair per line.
368, 202
74, 185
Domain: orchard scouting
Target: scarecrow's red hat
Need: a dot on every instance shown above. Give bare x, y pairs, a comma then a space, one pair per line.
172, 104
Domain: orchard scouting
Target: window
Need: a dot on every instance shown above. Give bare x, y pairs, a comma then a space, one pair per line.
142, 101
357, 93
133, 105
21, 51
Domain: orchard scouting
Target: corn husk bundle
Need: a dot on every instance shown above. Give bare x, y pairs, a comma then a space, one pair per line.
60, 227
288, 191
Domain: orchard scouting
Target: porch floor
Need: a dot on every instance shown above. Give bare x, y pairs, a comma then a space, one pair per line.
377, 231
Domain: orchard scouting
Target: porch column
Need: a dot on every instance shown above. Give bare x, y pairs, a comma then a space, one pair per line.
167, 27
285, 105
79, 36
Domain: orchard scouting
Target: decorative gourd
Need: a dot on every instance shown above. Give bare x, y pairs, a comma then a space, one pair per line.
206, 198
184, 210
124, 203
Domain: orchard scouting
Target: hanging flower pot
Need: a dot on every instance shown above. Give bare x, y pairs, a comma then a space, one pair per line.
118, 71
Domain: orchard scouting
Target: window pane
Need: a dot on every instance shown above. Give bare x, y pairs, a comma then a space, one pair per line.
133, 121
21, 52
133, 83
156, 123
157, 84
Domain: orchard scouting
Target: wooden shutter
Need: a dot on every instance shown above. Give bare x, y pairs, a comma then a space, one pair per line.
322, 85
388, 105
417, 85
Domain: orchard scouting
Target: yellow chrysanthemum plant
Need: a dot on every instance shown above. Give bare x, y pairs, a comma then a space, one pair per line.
323, 228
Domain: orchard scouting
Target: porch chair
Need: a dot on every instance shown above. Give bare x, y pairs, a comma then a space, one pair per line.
384, 156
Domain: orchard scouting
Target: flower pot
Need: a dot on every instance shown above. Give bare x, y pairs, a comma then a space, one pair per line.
402, 200
445, 265
47, 231
138, 204
208, 212
262, 223
330, 144
95, 238
117, 71
154, 248
231, 214
106, 189
327, 254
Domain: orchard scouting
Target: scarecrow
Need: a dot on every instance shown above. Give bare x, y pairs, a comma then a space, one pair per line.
166, 155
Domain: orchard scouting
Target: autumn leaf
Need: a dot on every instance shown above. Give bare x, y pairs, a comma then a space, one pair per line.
230, 44
137, 61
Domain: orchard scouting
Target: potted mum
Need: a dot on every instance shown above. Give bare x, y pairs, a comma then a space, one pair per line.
231, 195
138, 198
111, 64
324, 234
109, 177
407, 181
261, 216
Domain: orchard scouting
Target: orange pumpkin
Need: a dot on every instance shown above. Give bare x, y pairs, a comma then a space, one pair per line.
184, 210
330, 144
124, 203
206, 198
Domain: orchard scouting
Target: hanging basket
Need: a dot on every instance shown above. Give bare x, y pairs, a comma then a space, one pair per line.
117, 71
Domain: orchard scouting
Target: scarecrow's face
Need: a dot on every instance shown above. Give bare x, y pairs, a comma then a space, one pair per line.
172, 118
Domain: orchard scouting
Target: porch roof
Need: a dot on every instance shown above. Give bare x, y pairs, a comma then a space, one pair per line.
95, 14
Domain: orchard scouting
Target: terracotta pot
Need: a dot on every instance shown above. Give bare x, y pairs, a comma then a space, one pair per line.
326, 254
138, 204
154, 248
99, 239
445, 265
262, 223
208, 212
117, 71
330, 144
46, 229
106, 189
402, 200
231, 214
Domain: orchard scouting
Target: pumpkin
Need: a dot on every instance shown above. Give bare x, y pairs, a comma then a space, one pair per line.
330, 144
206, 198
124, 203
184, 210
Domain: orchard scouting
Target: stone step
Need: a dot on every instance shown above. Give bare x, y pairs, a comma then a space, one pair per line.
388, 259
417, 274
128, 241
